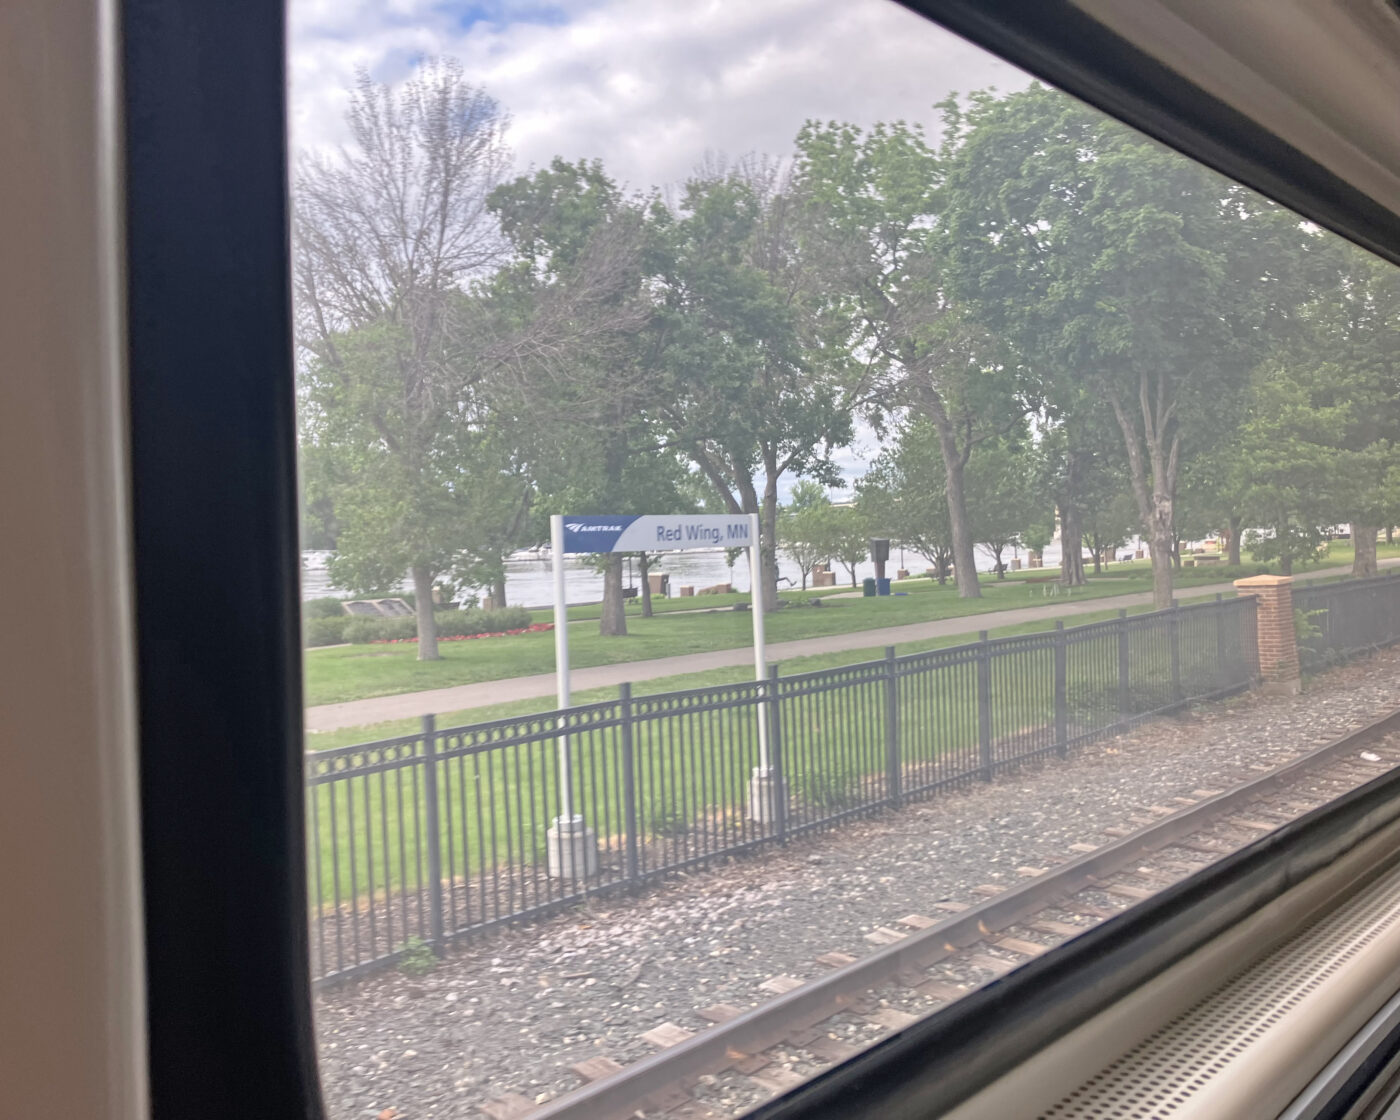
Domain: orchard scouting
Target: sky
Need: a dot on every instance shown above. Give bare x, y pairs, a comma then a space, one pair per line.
650, 87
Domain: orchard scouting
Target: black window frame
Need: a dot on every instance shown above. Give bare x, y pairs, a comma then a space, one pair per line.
213, 474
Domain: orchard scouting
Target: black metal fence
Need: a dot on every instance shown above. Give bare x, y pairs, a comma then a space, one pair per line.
1338, 620
423, 838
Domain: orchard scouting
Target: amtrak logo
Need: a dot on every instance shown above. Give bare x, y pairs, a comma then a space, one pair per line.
579, 527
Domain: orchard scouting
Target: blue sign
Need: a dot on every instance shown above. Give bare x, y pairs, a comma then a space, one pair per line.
656, 532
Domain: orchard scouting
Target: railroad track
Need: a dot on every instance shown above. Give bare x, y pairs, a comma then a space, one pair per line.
921, 962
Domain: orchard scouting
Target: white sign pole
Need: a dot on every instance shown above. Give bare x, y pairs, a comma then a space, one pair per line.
760, 653
561, 661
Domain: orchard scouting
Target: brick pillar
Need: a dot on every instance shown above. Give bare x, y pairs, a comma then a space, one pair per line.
1278, 644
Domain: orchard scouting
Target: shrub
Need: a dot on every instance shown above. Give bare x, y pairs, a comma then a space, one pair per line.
322, 608
417, 957
363, 630
1219, 573
318, 630
461, 624
450, 624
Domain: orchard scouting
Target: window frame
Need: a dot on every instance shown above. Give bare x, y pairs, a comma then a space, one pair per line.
213, 472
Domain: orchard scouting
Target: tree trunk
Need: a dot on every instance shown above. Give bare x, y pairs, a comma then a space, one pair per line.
1072, 518
498, 591
1285, 562
613, 622
1176, 552
999, 566
423, 610
1097, 552
643, 566
1154, 481
1236, 531
1390, 534
964, 558
1162, 538
1071, 546
1363, 539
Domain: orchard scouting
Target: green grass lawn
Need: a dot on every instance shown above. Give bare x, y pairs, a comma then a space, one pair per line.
682, 626
354, 672
691, 765
325, 740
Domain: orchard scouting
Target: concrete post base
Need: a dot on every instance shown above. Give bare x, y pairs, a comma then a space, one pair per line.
572, 849
766, 792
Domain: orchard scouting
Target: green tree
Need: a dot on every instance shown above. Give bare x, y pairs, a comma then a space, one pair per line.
903, 495
874, 200
755, 394
387, 233
805, 529
1116, 264
1003, 493
583, 252
850, 537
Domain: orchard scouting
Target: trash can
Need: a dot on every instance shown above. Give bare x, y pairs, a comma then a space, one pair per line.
882, 587
868, 588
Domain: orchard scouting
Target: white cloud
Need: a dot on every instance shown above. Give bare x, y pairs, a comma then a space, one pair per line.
648, 86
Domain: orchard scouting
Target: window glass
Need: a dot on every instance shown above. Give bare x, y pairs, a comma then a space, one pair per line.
781, 489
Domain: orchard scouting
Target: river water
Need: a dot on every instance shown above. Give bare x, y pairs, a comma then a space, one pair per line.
529, 578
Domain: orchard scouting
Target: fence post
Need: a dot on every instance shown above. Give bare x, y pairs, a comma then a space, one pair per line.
1124, 679
1274, 631
1221, 673
778, 786
434, 831
984, 704
894, 783
1061, 689
1174, 631
629, 782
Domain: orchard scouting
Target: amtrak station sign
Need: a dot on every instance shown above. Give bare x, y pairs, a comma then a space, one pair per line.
656, 533
571, 844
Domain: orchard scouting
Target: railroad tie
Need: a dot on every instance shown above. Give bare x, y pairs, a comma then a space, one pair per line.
595, 1069
667, 1034
512, 1106
780, 985
720, 1012
835, 959
916, 921
941, 990
883, 935
891, 1018
829, 1049
695, 1110
776, 1079
1017, 945
1057, 929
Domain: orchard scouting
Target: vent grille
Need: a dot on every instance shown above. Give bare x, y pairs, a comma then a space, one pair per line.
1163, 1072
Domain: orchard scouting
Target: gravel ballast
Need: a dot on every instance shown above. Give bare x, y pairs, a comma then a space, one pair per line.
513, 1012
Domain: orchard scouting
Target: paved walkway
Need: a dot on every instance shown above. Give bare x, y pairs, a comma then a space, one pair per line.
410, 705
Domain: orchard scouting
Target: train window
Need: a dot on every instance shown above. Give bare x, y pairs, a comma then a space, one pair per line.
798, 520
